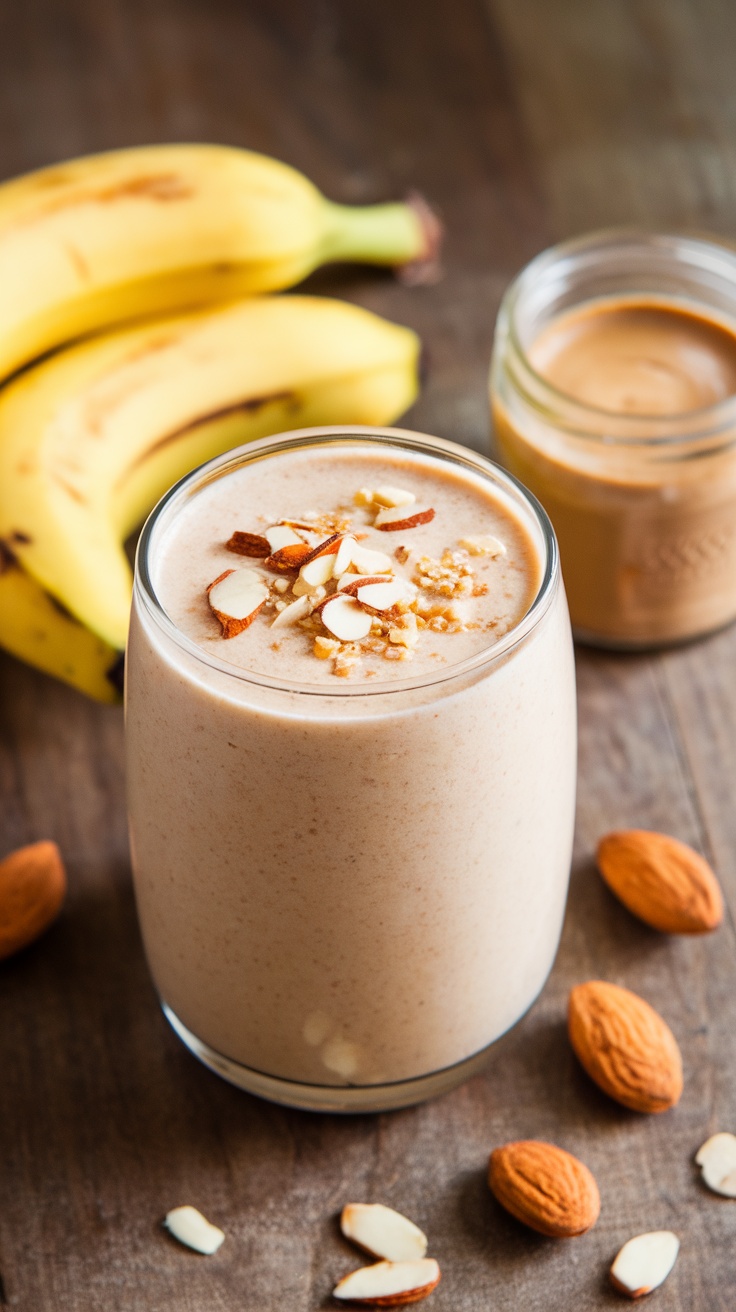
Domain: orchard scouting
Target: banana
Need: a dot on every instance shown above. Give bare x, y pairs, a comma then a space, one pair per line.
157, 229
36, 629
92, 437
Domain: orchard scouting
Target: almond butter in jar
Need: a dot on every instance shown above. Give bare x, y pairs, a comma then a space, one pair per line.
613, 391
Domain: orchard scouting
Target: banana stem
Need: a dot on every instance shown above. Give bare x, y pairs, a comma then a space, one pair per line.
396, 234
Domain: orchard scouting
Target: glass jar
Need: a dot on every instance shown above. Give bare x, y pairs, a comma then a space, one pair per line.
348, 891
644, 507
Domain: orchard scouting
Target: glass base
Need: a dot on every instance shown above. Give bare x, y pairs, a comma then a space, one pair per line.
327, 1097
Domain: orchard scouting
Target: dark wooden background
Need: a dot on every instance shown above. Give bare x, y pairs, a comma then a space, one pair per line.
524, 121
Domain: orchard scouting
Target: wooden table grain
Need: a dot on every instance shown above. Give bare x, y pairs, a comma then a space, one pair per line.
525, 121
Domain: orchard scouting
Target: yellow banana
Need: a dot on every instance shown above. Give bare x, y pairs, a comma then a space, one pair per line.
89, 243
90, 438
35, 628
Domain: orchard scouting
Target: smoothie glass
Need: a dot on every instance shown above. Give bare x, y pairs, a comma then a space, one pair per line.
348, 893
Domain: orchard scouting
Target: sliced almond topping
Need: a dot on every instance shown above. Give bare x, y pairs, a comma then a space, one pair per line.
400, 518
281, 585
329, 547
191, 1228
345, 617
382, 596
297, 610
316, 571
344, 556
281, 535
382, 1232
717, 1157
390, 1284
393, 496
317, 567
249, 544
351, 582
292, 556
371, 562
236, 598
483, 544
644, 1263
363, 497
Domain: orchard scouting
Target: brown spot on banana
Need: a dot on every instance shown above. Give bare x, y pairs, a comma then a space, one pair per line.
246, 407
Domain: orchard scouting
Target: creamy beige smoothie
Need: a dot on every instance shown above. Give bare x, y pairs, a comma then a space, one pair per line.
351, 763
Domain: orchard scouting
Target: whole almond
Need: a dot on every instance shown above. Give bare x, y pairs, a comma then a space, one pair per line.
545, 1187
625, 1046
32, 889
661, 880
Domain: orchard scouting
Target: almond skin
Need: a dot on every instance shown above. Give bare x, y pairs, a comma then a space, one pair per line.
249, 544
291, 557
625, 1046
32, 890
545, 1187
662, 881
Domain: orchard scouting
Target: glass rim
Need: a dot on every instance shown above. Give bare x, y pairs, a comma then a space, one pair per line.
395, 438
705, 421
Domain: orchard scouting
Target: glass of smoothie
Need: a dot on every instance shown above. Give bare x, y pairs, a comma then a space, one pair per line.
351, 753
613, 389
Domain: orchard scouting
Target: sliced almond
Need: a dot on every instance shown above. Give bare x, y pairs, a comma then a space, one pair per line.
236, 598
345, 618
316, 572
717, 1158
483, 544
390, 520
343, 556
292, 556
282, 535
318, 565
389, 1284
382, 1232
382, 596
351, 582
393, 496
297, 610
249, 544
644, 1263
191, 1228
328, 547
367, 561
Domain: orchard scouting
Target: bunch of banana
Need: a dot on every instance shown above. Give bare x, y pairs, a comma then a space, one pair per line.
158, 229
91, 438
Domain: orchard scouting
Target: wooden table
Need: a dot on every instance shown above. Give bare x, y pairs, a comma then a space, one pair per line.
525, 121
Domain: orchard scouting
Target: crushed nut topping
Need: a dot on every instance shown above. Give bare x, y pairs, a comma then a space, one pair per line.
451, 576
345, 598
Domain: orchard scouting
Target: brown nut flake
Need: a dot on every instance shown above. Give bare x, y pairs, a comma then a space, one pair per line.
544, 1187
625, 1046
291, 557
249, 544
661, 880
389, 521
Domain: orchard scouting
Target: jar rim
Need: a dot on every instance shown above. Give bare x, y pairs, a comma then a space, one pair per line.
396, 438
710, 256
